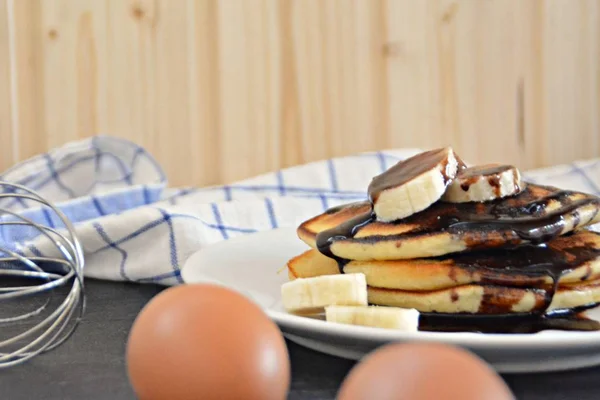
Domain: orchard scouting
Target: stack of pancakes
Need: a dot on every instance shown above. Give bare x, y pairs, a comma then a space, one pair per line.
522, 254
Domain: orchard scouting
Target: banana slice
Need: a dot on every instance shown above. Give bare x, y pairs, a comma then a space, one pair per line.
379, 317
310, 295
484, 183
414, 184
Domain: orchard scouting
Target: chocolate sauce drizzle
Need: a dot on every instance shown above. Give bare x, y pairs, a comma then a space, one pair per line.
471, 175
412, 167
529, 266
530, 222
564, 320
344, 230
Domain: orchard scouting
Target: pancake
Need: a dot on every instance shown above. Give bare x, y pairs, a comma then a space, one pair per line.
311, 263
487, 300
537, 214
575, 258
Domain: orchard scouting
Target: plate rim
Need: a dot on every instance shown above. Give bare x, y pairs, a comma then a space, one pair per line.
531, 341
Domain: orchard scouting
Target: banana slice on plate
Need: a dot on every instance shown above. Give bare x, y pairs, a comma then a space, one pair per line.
307, 295
414, 184
484, 183
379, 317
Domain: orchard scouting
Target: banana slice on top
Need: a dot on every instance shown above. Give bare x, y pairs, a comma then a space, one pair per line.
484, 183
414, 184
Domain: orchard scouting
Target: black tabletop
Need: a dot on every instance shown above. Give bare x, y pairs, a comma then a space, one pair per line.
91, 364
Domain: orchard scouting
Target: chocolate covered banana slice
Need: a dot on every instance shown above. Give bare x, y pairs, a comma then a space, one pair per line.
484, 183
414, 184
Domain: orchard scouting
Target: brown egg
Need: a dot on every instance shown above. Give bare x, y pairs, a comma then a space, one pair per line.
423, 371
206, 342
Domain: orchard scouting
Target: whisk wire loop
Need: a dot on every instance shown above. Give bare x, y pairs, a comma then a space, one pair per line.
59, 265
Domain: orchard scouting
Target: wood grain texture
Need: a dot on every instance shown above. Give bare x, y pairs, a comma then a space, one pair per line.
223, 90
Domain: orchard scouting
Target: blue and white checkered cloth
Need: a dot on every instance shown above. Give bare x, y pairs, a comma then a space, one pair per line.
134, 228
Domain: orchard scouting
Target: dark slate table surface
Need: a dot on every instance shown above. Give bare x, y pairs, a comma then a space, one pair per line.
91, 364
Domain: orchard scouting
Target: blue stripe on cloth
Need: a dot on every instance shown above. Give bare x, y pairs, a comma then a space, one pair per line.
98, 206
25, 181
140, 150
177, 194
219, 220
172, 244
44, 182
136, 233
16, 232
100, 230
15, 200
48, 217
96, 155
271, 212
134, 160
146, 195
21, 202
303, 192
280, 184
291, 189
324, 202
54, 174
362, 196
125, 172
227, 190
579, 171
161, 277
34, 250
214, 226
3, 233
137, 153
332, 175
231, 228
382, 163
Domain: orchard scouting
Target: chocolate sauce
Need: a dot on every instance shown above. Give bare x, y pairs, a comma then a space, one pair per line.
484, 170
587, 275
454, 296
531, 265
494, 182
410, 168
531, 229
511, 221
516, 219
492, 172
345, 230
564, 320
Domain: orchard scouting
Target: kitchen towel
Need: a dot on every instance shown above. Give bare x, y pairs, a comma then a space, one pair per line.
134, 227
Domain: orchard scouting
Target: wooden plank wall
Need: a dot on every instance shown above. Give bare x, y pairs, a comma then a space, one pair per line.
222, 90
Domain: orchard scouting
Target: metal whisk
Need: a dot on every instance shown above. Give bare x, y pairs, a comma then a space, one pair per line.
27, 274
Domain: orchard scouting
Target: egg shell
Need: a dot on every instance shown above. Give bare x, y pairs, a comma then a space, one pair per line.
206, 342
423, 371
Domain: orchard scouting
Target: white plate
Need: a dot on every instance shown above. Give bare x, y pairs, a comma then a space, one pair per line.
254, 265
